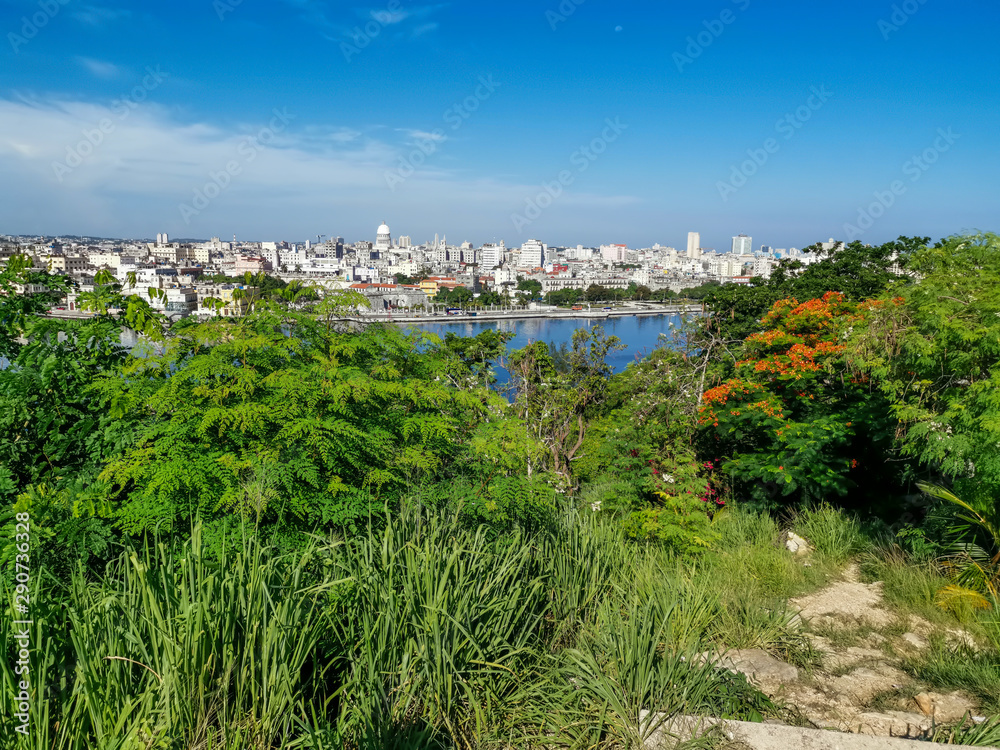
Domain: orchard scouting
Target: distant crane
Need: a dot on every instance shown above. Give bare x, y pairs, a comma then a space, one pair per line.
319, 239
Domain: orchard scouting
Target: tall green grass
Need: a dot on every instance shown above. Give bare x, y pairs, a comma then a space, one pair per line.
170, 650
419, 632
836, 536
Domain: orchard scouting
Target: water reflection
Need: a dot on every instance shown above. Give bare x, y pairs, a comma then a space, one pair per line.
640, 334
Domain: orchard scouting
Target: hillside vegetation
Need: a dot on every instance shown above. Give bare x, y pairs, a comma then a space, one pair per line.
285, 531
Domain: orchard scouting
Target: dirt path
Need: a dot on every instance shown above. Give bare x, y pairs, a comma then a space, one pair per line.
858, 684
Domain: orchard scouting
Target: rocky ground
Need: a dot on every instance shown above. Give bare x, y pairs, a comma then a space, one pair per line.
857, 684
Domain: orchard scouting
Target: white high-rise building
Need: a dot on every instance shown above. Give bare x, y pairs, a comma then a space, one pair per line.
532, 254
614, 253
491, 256
694, 245
405, 241
743, 245
383, 238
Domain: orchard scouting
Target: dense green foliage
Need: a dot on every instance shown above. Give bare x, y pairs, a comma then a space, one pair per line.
463, 564
418, 633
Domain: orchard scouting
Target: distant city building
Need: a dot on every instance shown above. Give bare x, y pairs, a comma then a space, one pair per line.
614, 253
694, 245
404, 241
491, 256
743, 245
383, 238
532, 254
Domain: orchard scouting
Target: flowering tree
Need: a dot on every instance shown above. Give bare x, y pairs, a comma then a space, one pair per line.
796, 421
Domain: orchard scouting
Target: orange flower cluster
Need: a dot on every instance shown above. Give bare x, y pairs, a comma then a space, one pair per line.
721, 394
809, 320
797, 360
774, 337
769, 409
800, 337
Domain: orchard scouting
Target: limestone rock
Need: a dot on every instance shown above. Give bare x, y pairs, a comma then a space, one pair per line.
892, 724
944, 709
849, 603
762, 668
796, 544
778, 737
925, 703
862, 685
912, 640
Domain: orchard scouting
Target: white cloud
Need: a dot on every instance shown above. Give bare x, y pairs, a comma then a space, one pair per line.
96, 15
99, 68
423, 135
425, 29
336, 25
307, 179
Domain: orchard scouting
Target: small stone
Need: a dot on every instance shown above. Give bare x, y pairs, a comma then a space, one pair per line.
916, 641
862, 685
925, 703
951, 708
769, 673
796, 544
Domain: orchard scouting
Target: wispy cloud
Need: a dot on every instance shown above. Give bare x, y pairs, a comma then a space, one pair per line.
151, 162
99, 68
425, 29
423, 135
336, 25
97, 15
345, 135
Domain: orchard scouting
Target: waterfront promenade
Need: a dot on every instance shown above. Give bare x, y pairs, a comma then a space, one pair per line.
523, 313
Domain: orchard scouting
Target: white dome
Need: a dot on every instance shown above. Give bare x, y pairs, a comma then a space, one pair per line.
384, 230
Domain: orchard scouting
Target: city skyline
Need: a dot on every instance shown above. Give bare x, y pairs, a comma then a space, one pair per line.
598, 125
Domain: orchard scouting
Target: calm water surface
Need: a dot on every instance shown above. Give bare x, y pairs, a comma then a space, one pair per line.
639, 333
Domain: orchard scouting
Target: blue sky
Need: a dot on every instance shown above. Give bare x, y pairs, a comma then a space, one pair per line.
792, 122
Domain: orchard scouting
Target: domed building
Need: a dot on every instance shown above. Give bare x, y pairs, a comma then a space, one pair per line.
383, 238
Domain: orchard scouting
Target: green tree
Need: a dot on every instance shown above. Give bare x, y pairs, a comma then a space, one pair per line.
460, 296
858, 271
935, 350
564, 297
531, 286
279, 420
20, 303
795, 422
556, 406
